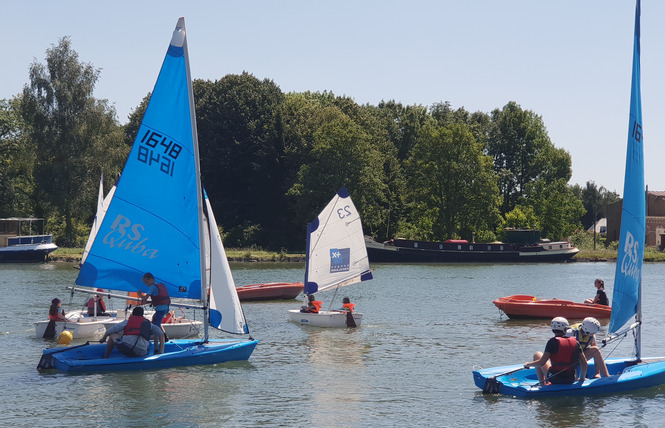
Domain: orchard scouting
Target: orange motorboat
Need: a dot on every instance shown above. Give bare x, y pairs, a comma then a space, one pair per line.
521, 306
270, 291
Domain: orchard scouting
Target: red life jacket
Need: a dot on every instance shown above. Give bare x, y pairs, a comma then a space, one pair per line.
563, 359
348, 306
101, 306
317, 306
162, 298
136, 326
55, 317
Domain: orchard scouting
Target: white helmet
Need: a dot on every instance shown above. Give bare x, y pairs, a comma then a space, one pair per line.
590, 326
560, 324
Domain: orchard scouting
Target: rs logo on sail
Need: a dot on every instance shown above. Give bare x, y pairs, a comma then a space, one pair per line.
127, 236
629, 265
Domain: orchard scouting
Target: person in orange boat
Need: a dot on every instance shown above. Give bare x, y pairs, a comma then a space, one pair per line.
558, 363
347, 306
601, 296
313, 306
98, 301
585, 333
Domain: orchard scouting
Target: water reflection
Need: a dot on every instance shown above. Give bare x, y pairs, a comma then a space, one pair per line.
336, 358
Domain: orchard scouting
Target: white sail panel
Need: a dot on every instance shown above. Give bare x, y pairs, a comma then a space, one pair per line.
336, 253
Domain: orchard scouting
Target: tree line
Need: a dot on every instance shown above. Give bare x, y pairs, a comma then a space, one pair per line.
270, 161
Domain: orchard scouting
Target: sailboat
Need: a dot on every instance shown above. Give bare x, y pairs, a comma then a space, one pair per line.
626, 374
335, 257
159, 220
92, 326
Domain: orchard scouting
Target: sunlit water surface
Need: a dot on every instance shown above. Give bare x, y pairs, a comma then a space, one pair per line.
425, 328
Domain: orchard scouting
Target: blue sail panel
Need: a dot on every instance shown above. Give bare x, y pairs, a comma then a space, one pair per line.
628, 275
152, 224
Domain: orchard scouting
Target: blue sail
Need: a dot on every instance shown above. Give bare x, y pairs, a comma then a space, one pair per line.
628, 275
152, 222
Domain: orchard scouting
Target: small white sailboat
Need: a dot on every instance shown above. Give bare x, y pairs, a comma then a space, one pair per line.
626, 374
159, 220
336, 257
102, 206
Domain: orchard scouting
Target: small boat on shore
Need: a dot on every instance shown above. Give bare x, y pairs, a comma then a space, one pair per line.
15, 246
521, 306
523, 246
269, 291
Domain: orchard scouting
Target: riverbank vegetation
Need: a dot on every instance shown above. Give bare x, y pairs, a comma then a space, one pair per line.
271, 160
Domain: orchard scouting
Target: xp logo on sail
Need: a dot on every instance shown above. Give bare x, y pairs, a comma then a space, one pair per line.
127, 236
340, 259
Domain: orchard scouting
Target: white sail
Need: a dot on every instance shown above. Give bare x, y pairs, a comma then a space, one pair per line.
102, 206
336, 253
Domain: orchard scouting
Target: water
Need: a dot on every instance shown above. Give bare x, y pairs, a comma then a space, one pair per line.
425, 329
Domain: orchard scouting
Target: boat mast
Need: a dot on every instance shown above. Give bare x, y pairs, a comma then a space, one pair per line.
180, 35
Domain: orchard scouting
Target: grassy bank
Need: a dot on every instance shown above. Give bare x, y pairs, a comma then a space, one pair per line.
601, 253
73, 255
651, 254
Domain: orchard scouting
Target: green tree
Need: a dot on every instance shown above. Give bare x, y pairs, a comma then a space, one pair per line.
240, 136
16, 163
453, 187
75, 134
523, 154
557, 208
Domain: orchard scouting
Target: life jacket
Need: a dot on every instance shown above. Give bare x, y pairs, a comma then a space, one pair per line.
53, 317
101, 306
168, 318
317, 306
133, 302
602, 297
162, 298
563, 359
137, 325
348, 306
582, 339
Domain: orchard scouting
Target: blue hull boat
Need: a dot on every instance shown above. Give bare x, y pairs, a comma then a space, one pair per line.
177, 353
625, 376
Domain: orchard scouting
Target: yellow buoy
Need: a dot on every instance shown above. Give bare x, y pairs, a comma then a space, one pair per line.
65, 338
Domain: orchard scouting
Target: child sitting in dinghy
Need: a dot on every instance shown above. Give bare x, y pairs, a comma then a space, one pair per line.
132, 336
313, 306
585, 333
347, 306
558, 363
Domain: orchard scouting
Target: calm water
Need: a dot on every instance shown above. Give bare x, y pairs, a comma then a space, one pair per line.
425, 329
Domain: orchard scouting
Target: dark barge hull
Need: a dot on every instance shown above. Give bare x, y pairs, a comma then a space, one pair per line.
408, 251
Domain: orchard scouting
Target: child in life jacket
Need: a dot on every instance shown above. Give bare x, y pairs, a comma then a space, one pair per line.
313, 306
558, 364
347, 306
585, 333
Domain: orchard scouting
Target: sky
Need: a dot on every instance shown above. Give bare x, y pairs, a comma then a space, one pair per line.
568, 61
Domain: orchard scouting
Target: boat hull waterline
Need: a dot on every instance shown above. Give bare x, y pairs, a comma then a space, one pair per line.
625, 376
177, 353
522, 306
332, 319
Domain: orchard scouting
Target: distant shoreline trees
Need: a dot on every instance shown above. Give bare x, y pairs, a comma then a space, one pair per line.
271, 160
